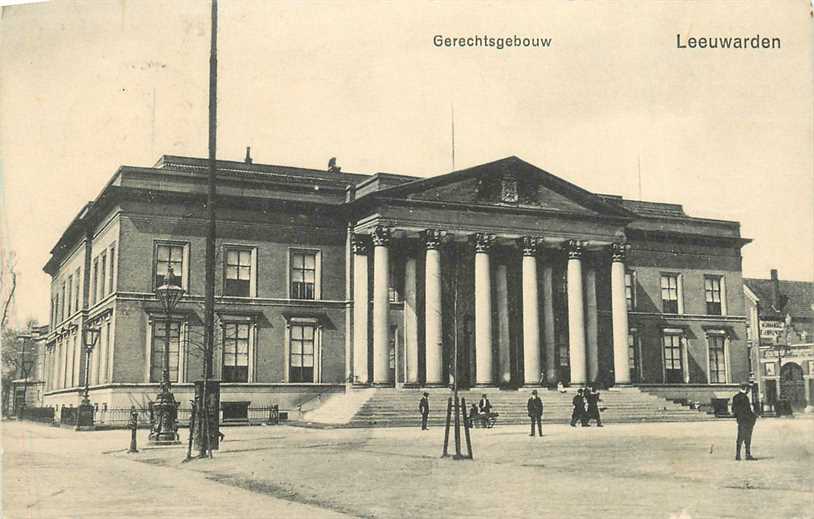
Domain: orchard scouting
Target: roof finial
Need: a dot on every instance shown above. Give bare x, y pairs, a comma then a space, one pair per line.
332, 167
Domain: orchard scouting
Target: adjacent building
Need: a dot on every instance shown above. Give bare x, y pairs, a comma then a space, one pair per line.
782, 319
327, 280
28, 384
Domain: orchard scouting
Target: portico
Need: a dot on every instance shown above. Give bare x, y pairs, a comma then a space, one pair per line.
498, 287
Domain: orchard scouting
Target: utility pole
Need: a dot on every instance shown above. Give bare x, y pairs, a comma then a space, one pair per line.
209, 302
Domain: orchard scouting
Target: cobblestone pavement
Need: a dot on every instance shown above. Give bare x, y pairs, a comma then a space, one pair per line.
683, 470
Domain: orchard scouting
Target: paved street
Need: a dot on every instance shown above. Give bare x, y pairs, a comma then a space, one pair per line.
50, 472
630, 471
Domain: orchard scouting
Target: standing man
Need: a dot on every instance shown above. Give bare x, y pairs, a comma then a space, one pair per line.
593, 406
579, 409
485, 408
746, 421
535, 408
424, 409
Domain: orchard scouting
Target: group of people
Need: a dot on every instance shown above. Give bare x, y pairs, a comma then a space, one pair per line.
586, 407
482, 411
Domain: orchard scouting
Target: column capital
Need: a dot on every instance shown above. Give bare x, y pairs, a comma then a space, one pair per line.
381, 236
575, 248
619, 250
483, 242
359, 243
530, 245
432, 238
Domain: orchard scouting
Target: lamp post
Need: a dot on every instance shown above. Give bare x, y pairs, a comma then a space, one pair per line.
84, 417
165, 427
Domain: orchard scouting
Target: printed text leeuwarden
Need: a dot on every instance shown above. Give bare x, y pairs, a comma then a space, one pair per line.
727, 42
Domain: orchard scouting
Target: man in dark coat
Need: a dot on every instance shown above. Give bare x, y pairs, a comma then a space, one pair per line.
578, 414
746, 418
485, 408
592, 398
535, 408
424, 409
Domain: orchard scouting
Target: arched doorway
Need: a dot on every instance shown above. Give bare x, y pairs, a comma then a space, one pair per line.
792, 384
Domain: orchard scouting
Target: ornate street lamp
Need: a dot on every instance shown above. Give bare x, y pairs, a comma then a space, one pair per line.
165, 427
84, 417
91, 337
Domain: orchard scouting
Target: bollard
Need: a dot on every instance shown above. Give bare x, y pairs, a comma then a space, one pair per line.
133, 425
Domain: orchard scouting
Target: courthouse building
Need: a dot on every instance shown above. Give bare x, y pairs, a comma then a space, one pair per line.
327, 280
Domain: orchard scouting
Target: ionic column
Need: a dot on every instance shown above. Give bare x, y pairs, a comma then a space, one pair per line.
531, 312
410, 321
621, 366
381, 305
360, 310
483, 309
576, 314
433, 310
504, 360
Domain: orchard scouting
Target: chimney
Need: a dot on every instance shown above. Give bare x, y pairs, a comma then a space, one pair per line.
775, 290
248, 159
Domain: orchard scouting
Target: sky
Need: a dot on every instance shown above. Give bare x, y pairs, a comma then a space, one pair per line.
612, 105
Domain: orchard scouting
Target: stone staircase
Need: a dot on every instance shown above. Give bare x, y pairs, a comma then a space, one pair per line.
387, 407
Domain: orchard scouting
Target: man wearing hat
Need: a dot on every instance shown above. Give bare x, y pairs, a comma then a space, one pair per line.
578, 414
424, 409
535, 408
746, 421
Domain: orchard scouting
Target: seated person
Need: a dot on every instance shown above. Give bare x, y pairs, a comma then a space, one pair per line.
473, 412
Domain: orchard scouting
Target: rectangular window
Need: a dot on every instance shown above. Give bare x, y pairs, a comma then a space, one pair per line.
70, 295
235, 352
769, 369
301, 361
633, 356
630, 290
112, 262
303, 275
158, 346
169, 255
237, 279
62, 304
673, 362
77, 290
94, 282
717, 359
395, 287
102, 275
669, 293
712, 294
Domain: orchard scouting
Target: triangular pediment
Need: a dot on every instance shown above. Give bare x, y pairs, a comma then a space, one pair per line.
509, 182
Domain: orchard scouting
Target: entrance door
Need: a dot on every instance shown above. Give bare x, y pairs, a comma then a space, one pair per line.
792, 385
673, 362
391, 354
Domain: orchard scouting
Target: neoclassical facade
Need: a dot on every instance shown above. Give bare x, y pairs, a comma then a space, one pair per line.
326, 280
